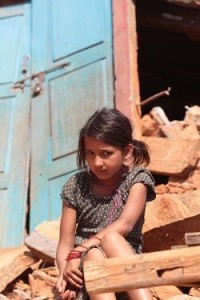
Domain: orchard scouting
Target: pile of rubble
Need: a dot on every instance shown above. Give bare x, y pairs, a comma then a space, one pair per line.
29, 272
176, 157
24, 276
176, 210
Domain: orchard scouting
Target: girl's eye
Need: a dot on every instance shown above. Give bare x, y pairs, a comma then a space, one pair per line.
106, 153
89, 153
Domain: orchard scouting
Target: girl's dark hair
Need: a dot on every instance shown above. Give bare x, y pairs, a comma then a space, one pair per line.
112, 127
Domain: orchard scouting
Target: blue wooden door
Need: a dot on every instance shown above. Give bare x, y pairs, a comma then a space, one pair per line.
72, 51
14, 121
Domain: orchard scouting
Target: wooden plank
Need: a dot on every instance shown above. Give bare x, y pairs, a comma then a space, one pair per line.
169, 267
185, 3
167, 16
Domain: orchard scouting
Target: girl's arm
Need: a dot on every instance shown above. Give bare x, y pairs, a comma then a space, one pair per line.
133, 209
67, 234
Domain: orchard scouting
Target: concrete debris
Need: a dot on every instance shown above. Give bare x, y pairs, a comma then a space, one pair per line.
192, 115
159, 115
172, 157
30, 272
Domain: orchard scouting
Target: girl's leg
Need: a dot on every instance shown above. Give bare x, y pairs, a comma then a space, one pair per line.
115, 245
96, 255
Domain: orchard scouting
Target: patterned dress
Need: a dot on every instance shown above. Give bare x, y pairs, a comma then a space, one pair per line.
95, 212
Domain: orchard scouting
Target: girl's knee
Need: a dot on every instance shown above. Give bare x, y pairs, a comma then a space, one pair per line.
94, 254
110, 238
115, 244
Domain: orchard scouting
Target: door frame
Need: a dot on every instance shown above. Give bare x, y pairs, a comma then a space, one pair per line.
126, 86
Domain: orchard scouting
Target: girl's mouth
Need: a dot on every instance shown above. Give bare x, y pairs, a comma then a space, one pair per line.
100, 171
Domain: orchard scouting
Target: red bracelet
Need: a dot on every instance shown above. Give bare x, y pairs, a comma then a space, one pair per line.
96, 237
73, 254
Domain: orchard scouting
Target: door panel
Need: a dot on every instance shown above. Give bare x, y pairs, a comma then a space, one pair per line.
5, 117
10, 37
78, 33
67, 96
14, 123
72, 26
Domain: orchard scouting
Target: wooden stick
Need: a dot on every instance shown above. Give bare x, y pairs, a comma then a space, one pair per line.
43, 276
169, 267
32, 285
156, 96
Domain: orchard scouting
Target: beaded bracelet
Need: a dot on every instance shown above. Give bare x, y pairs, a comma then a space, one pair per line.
96, 237
83, 246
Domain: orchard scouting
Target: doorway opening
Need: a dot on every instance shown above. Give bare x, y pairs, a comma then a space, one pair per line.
168, 56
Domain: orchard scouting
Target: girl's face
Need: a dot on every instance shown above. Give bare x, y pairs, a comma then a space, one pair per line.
104, 160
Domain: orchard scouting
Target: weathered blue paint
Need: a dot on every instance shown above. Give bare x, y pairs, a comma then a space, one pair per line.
14, 123
78, 32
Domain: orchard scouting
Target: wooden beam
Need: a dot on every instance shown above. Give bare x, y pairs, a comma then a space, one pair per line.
169, 267
185, 3
134, 85
167, 16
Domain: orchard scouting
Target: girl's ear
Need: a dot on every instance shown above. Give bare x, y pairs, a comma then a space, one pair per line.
128, 155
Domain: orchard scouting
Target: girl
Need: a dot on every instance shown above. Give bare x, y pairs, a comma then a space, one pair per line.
104, 203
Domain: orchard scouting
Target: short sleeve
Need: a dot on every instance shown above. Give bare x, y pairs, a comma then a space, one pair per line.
68, 192
142, 175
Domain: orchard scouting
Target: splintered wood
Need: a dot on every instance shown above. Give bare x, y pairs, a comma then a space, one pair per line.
169, 267
13, 263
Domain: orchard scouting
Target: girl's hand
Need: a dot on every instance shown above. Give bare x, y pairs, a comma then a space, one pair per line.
65, 290
60, 285
72, 273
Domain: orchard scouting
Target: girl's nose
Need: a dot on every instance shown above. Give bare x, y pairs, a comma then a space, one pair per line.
98, 161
